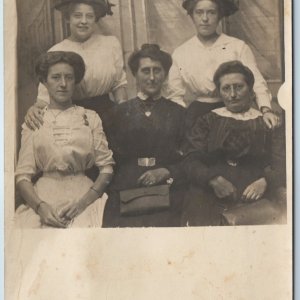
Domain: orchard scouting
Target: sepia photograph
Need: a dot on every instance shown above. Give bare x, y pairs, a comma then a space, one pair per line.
148, 122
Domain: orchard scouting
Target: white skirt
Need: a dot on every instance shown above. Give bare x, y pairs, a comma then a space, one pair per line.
58, 190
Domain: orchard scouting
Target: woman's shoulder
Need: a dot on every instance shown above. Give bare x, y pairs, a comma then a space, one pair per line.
185, 46
125, 106
227, 39
172, 107
107, 40
90, 115
61, 46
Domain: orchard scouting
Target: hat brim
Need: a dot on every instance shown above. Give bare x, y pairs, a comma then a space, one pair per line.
229, 7
60, 4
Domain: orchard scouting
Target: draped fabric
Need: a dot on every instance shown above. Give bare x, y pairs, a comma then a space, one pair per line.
168, 23
258, 24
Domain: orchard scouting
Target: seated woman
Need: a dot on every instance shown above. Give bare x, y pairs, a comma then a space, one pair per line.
70, 140
144, 135
230, 156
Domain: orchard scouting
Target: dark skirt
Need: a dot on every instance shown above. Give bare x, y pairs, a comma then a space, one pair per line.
126, 178
165, 218
201, 206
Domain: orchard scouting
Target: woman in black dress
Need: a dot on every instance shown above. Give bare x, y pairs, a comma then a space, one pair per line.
144, 137
230, 156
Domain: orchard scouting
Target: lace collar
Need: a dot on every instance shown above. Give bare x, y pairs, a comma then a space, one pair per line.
251, 114
143, 96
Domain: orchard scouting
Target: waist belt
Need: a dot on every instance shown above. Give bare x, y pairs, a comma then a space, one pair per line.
146, 161
62, 174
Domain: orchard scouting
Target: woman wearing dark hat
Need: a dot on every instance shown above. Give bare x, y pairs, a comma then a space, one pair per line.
195, 61
102, 56
70, 141
144, 137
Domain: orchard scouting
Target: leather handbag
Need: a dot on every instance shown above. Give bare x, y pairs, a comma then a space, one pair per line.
144, 200
261, 212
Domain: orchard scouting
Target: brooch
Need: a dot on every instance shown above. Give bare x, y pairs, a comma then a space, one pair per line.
85, 120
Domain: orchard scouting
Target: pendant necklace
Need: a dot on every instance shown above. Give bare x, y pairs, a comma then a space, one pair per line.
148, 105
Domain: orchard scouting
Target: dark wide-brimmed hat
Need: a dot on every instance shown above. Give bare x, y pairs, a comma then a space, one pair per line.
152, 51
226, 7
104, 5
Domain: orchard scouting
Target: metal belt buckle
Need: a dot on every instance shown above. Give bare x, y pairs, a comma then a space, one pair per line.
146, 161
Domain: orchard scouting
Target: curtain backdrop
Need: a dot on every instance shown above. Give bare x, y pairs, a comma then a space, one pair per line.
257, 23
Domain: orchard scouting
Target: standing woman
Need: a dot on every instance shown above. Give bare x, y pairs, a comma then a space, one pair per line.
195, 62
102, 56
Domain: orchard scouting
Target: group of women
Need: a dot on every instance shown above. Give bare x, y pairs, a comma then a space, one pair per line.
198, 161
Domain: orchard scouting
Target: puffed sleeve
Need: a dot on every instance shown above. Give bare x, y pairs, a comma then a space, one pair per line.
26, 166
194, 149
119, 65
263, 94
176, 87
103, 155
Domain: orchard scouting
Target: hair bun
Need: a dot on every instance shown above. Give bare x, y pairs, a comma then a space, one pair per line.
226, 7
150, 47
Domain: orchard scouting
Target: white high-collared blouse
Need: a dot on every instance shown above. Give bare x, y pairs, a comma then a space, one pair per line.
69, 141
104, 66
194, 66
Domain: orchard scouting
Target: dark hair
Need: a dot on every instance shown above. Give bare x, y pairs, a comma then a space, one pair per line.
100, 7
48, 59
68, 9
225, 7
152, 51
234, 66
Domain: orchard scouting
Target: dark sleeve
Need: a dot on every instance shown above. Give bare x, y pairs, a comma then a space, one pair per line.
195, 162
176, 168
113, 128
275, 172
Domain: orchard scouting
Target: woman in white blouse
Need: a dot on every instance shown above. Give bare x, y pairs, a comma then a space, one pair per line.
195, 62
70, 141
102, 56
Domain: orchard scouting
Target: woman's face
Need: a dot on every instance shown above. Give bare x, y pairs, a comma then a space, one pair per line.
206, 18
235, 92
82, 22
60, 84
150, 76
